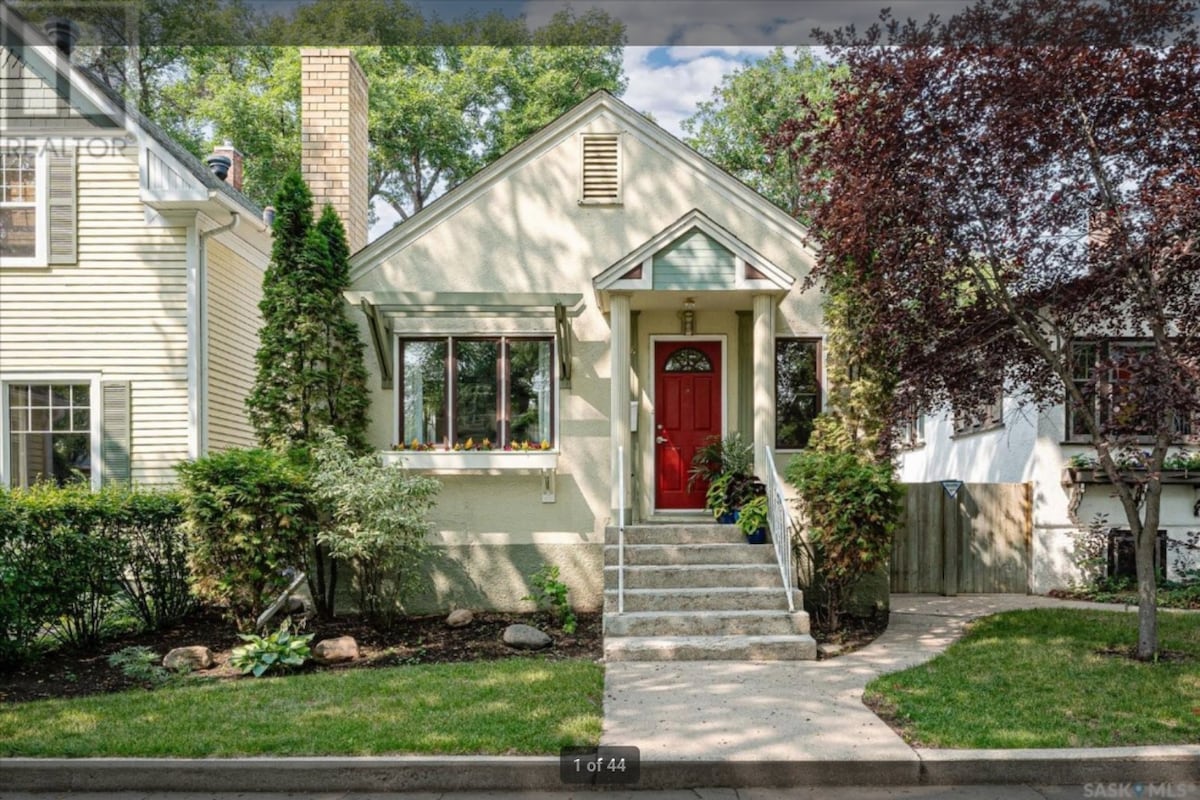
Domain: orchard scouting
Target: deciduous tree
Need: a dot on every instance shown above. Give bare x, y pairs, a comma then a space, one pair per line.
1005, 185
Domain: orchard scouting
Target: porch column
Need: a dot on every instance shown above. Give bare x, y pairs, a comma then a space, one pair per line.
764, 380
621, 344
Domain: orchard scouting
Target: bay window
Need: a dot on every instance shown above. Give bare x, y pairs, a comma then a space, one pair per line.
458, 389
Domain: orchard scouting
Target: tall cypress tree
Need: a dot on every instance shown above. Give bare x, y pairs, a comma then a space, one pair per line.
310, 358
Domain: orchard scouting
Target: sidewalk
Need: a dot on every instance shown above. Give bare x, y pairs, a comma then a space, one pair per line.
733, 724
806, 713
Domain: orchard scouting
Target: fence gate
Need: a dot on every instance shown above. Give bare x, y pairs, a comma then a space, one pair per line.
977, 541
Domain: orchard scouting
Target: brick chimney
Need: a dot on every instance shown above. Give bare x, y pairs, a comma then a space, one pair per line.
333, 136
235, 163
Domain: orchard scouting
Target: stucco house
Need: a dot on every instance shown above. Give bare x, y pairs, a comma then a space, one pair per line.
129, 280
1011, 442
606, 295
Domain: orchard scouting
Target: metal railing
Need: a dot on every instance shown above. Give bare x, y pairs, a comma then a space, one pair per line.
779, 520
621, 530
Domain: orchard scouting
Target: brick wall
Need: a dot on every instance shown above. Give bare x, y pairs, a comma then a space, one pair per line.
333, 132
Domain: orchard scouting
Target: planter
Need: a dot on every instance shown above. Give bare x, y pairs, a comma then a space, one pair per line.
758, 537
728, 518
1180, 477
450, 461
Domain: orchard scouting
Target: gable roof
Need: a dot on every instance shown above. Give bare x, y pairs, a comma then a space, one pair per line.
599, 102
100, 104
770, 277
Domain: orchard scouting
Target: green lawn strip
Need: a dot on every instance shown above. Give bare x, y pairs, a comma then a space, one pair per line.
1037, 679
517, 706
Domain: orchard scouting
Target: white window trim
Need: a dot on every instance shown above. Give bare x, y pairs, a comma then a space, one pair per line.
41, 233
459, 460
822, 351
96, 410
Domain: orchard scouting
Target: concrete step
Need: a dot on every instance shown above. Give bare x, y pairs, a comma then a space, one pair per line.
700, 533
664, 554
705, 623
689, 576
705, 599
797, 647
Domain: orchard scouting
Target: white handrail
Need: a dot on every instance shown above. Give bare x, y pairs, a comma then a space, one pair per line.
779, 519
621, 530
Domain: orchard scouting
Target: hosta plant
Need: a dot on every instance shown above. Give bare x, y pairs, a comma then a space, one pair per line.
276, 651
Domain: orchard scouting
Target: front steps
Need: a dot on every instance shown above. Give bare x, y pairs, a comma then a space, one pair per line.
698, 592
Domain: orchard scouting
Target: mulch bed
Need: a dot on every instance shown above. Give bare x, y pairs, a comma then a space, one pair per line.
855, 633
413, 640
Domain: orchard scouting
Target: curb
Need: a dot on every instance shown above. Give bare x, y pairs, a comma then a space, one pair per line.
541, 773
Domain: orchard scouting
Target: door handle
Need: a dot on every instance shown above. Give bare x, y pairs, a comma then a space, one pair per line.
660, 440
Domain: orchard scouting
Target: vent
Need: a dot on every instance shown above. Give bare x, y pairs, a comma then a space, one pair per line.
601, 181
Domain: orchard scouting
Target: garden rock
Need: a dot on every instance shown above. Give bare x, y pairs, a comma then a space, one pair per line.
331, 651
186, 659
525, 637
460, 618
298, 604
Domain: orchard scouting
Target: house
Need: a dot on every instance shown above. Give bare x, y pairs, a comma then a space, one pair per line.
554, 338
129, 280
1012, 442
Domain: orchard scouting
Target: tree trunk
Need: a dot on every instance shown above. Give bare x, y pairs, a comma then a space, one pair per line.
1146, 543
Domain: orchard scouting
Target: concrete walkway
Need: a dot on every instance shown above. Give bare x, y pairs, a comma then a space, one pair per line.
790, 711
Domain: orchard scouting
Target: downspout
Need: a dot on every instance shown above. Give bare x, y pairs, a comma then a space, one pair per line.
202, 332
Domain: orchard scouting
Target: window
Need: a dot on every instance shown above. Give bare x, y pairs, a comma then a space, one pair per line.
983, 417
498, 389
910, 430
1107, 375
797, 391
49, 432
20, 242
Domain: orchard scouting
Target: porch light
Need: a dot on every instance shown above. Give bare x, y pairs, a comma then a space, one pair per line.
687, 317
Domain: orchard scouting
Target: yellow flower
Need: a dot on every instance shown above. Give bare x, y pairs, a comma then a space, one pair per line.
545, 444
470, 445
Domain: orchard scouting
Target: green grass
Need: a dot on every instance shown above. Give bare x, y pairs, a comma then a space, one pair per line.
517, 706
1036, 679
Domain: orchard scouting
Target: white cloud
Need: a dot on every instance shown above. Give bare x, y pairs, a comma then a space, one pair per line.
672, 91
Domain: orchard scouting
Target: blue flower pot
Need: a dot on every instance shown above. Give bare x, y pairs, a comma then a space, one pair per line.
728, 518
758, 537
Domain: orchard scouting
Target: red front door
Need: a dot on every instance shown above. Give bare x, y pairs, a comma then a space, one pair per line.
687, 411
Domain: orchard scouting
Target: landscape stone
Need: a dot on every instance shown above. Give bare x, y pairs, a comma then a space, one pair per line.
185, 659
829, 650
525, 637
331, 651
460, 618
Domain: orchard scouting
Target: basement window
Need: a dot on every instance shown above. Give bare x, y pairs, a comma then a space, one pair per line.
600, 169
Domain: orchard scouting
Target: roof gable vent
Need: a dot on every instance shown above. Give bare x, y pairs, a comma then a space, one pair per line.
600, 178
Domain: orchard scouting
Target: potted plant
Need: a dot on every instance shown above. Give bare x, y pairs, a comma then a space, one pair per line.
752, 519
715, 499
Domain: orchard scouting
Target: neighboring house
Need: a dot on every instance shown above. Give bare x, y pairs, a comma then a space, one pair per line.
129, 281
1010, 442
609, 296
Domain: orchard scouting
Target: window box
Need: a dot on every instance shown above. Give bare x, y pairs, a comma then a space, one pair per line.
473, 460
1180, 477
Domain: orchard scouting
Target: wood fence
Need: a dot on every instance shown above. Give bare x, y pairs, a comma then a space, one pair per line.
977, 541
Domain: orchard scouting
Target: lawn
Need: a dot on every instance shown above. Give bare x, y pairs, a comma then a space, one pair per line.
1050, 678
516, 706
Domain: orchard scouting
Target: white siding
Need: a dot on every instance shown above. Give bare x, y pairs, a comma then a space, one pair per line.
234, 289
121, 310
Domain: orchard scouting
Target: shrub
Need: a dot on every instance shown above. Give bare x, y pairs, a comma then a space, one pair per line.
853, 507
550, 594
30, 589
248, 515
69, 525
148, 526
378, 524
276, 651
